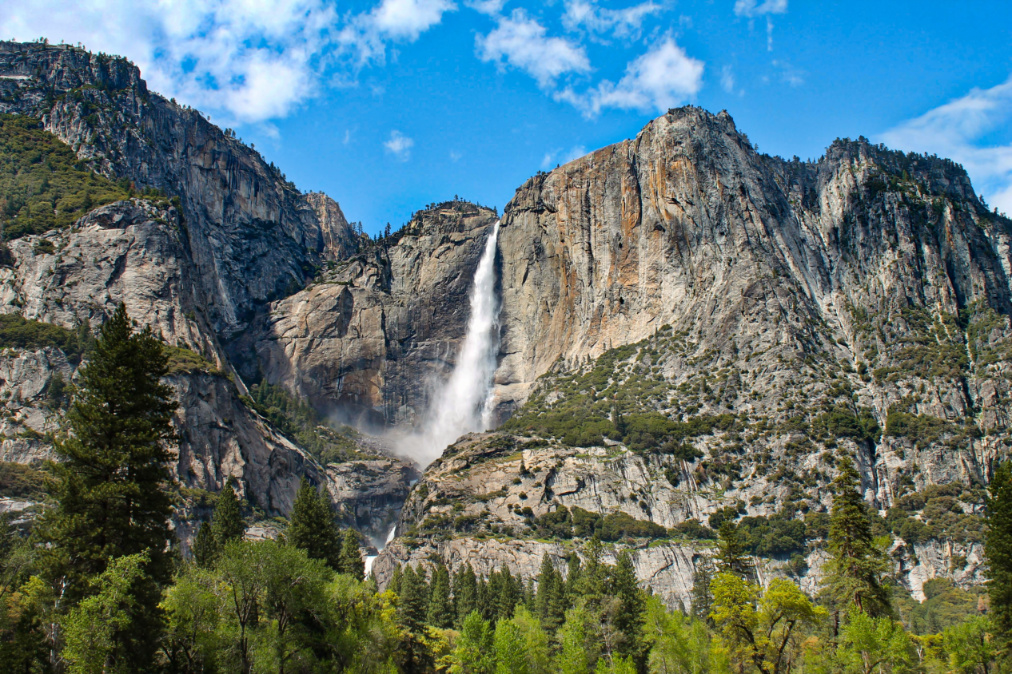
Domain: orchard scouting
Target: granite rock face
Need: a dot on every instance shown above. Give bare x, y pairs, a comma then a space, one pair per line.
250, 235
368, 339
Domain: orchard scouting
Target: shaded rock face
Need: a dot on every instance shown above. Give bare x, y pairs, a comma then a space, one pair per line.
369, 338
250, 235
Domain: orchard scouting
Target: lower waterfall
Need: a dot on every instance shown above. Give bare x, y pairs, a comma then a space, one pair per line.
463, 403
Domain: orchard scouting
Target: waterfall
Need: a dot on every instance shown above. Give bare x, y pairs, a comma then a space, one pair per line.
463, 403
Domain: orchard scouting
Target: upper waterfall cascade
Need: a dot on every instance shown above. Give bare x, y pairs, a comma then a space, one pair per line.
463, 403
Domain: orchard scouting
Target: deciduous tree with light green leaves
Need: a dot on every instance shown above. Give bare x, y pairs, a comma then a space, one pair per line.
762, 629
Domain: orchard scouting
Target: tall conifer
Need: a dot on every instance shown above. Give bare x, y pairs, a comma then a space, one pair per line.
311, 526
114, 498
854, 572
998, 549
226, 523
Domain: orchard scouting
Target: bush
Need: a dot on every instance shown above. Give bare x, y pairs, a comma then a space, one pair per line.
579, 523
20, 333
20, 481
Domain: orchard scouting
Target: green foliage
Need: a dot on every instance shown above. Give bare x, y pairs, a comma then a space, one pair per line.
781, 534
761, 628
731, 554
474, 654
871, 644
311, 526
853, 575
43, 186
101, 632
924, 430
114, 498
936, 513
351, 560
576, 522
227, 524
300, 421
18, 480
20, 333
183, 361
843, 422
998, 549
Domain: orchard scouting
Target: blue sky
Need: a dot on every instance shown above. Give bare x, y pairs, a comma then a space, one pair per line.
388, 105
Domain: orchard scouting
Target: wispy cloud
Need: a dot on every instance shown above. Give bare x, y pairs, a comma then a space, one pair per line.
754, 8
622, 23
523, 43
486, 6
399, 145
662, 78
958, 130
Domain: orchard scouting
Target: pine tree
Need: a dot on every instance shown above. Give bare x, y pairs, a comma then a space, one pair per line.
440, 612
998, 550
628, 618
702, 598
731, 554
853, 574
226, 523
205, 551
113, 500
311, 526
465, 593
395, 580
550, 601
351, 556
414, 595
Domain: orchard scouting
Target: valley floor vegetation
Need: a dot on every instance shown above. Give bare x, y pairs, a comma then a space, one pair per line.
97, 582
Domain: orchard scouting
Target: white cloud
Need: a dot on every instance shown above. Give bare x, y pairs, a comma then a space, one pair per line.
662, 78
250, 60
399, 145
957, 130
407, 19
752, 8
558, 157
522, 42
366, 34
486, 6
622, 23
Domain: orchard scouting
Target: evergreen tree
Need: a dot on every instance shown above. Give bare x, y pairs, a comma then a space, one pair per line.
227, 524
414, 595
395, 580
855, 569
311, 526
629, 613
204, 548
550, 599
702, 598
113, 499
998, 549
440, 613
731, 554
474, 653
351, 556
465, 593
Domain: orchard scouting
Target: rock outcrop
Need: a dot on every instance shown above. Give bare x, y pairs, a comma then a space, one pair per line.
368, 339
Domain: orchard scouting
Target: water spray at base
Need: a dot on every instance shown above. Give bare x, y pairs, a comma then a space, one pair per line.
463, 403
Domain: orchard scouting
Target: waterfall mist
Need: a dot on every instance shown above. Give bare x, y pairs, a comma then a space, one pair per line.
463, 403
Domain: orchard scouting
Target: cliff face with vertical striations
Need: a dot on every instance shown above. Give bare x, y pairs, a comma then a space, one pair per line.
695, 331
